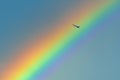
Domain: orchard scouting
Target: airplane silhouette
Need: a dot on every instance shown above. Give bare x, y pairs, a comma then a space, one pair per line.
76, 26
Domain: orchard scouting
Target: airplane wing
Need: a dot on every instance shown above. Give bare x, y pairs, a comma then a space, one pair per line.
76, 26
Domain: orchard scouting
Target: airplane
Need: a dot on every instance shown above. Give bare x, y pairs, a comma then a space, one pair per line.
76, 26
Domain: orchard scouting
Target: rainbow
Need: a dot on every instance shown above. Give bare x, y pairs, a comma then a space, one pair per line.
37, 56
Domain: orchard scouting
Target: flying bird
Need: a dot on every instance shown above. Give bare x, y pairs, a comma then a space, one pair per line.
76, 26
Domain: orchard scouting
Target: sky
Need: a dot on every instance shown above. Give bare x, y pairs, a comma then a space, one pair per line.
38, 41
21, 19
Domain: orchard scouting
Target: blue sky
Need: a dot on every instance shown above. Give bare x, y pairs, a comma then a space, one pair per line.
22, 18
